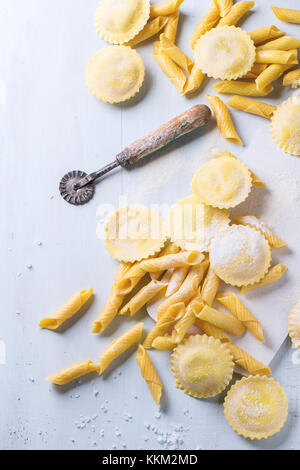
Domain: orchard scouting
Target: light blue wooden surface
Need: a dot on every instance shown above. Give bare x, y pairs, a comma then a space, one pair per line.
49, 124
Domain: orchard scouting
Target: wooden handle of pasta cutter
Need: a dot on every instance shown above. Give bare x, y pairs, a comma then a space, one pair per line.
187, 122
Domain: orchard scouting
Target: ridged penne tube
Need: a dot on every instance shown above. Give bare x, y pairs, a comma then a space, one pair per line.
164, 343
194, 81
150, 29
170, 249
66, 311
211, 330
163, 263
286, 43
170, 69
224, 6
188, 290
237, 11
149, 374
256, 70
273, 275
176, 280
120, 345
165, 323
142, 297
176, 54
240, 311
209, 21
73, 372
247, 362
254, 222
256, 181
252, 106
270, 75
287, 14
114, 302
266, 33
224, 121
226, 322
182, 326
171, 26
277, 57
165, 8
238, 87
292, 78
210, 287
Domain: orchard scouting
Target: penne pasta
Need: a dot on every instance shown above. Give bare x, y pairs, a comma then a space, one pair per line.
149, 374
209, 21
224, 6
142, 297
150, 29
285, 43
266, 33
170, 249
73, 372
277, 57
114, 302
221, 320
252, 221
163, 263
237, 87
247, 362
176, 280
256, 70
182, 326
210, 287
286, 14
176, 54
270, 75
273, 275
164, 343
237, 11
240, 311
119, 346
292, 78
211, 330
188, 290
171, 26
170, 69
251, 106
165, 8
165, 323
194, 81
66, 311
224, 121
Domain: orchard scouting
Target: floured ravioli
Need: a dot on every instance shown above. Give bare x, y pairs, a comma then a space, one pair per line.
118, 21
225, 53
256, 407
285, 126
240, 256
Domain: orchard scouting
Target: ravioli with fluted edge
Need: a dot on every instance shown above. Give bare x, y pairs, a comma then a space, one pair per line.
115, 74
118, 21
225, 53
191, 224
134, 232
240, 256
223, 182
285, 126
202, 366
256, 407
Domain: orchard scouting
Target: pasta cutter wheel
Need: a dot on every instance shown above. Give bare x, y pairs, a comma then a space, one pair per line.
77, 187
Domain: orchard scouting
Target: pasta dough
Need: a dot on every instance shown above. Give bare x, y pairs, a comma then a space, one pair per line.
285, 126
118, 21
294, 325
115, 74
256, 407
202, 366
223, 182
240, 256
133, 233
225, 52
